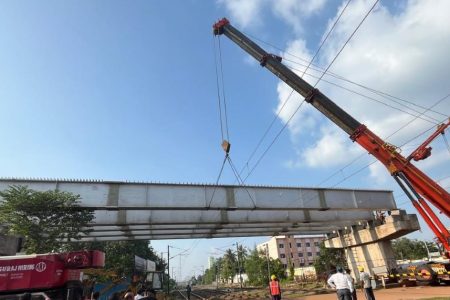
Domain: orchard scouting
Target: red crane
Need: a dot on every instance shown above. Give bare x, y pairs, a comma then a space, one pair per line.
416, 184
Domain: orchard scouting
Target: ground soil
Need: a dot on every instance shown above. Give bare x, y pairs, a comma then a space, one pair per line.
406, 293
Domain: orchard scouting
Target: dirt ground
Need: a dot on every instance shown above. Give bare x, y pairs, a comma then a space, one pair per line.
406, 293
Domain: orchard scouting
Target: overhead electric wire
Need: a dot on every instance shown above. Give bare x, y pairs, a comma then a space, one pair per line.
380, 93
222, 130
326, 37
273, 141
217, 181
346, 42
446, 142
238, 177
416, 117
265, 133
375, 100
290, 94
321, 69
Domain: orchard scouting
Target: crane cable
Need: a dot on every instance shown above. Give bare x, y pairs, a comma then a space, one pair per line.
326, 37
292, 91
301, 103
223, 118
346, 42
221, 98
223, 123
337, 76
371, 163
433, 120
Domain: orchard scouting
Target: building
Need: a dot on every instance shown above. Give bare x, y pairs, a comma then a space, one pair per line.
300, 251
211, 261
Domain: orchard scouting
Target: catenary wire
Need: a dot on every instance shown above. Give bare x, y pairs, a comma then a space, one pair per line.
217, 181
346, 42
416, 117
290, 94
326, 37
375, 100
241, 183
321, 69
379, 93
266, 132
446, 142
320, 78
273, 141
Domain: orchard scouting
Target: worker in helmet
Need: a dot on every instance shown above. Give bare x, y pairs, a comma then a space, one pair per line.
274, 286
366, 284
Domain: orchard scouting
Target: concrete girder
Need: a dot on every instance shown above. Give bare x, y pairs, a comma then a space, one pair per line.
225, 217
154, 210
153, 196
217, 226
191, 236
177, 231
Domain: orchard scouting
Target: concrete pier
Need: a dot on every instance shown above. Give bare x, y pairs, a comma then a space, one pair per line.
369, 245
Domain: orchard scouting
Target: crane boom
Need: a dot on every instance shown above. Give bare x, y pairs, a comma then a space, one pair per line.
416, 184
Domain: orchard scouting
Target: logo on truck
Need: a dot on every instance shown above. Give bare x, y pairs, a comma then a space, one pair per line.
40, 267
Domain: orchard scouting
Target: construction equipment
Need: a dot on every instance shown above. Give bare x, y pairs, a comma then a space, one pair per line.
52, 275
417, 185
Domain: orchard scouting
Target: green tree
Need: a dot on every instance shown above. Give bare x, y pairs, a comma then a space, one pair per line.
405, 248
256, 268
47, 219
291, 271
328, 259
229, 265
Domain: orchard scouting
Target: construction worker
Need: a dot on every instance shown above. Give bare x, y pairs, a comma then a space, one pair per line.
275, 290
366, 284
342, 283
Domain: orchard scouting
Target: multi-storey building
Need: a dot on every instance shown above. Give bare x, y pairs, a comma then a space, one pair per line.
300, 251
211, 261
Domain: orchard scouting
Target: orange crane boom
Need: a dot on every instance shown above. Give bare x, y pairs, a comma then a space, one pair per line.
416, 184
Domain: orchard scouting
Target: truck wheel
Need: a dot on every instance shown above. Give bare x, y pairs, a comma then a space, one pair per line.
425, 275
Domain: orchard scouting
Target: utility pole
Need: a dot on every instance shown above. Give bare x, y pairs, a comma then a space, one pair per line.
428, 251
268, 260
239, 265
168, 269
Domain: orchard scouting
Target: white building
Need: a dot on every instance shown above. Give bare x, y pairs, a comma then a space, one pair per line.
211, 261
300, 251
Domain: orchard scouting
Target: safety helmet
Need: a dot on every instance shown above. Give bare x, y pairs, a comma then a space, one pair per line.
361, 268
273, 277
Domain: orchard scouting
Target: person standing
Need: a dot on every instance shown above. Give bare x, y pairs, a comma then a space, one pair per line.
366, 285
188, 291
342, 284
275, 289
348, 273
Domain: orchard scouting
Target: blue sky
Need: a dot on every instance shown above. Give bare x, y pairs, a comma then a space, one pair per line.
118, 90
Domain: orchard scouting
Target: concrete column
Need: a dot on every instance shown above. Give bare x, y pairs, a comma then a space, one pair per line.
369, 245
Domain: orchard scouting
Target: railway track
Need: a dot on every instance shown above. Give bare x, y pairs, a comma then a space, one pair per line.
202, 294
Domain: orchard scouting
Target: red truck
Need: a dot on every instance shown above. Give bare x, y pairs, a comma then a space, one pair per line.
46, 276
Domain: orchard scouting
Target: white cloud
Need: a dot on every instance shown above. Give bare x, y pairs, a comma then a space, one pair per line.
378, 174
248, 13
293, 11
326, 152
245, 13
404, 55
